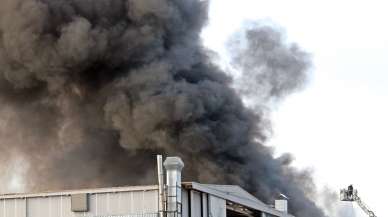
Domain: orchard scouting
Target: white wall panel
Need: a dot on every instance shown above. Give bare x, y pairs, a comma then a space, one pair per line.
2, 210
102, 207
9, 208
204, 205
100, 204
36, 207
56, 207
137, 202
185, 203
13, 208
195, 197
20, 207
115, 203
217, 207
121, 203
125, 203
150, 202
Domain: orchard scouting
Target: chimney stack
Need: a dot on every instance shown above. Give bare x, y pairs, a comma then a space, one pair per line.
281, 204
174, 166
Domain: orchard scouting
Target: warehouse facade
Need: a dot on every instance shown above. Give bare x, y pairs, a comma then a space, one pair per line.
188, 199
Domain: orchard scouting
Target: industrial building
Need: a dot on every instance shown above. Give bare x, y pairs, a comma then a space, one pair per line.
170, 198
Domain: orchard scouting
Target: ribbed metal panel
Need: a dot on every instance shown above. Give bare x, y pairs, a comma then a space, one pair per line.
13, 208
196, 207
185, 203
217, 207
120, 204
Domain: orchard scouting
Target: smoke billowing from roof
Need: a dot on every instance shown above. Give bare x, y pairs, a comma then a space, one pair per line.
91, 90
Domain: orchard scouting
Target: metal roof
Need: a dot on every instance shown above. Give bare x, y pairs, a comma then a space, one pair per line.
235, 194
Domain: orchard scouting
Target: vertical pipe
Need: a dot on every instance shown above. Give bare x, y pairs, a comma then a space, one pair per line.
161, 185
174, 166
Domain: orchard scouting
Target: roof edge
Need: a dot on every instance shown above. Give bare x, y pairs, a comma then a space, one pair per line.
80, 191
256, 205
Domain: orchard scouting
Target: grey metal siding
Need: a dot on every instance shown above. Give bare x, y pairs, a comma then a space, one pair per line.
217, 207
185, 203
196, 207
267, 215
205, 210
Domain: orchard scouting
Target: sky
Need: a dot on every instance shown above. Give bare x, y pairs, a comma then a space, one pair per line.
337, 124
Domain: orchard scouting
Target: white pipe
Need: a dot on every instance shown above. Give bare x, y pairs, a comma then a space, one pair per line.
161, 185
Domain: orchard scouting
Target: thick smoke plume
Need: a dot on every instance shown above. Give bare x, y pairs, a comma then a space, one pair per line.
91, 90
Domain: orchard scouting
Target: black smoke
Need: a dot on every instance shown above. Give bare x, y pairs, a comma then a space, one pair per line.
91, 90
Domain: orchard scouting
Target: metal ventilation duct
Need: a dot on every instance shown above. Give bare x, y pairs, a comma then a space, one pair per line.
174, 166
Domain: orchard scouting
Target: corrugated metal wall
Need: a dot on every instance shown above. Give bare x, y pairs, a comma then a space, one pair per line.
217, 207
13, 207
142, 203
196, 204
185, 203
139, 203
200, 204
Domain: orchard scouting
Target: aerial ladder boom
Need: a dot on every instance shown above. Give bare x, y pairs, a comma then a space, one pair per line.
351, 195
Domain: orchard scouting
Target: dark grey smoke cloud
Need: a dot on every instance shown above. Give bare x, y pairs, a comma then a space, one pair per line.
91, 90
269, 69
